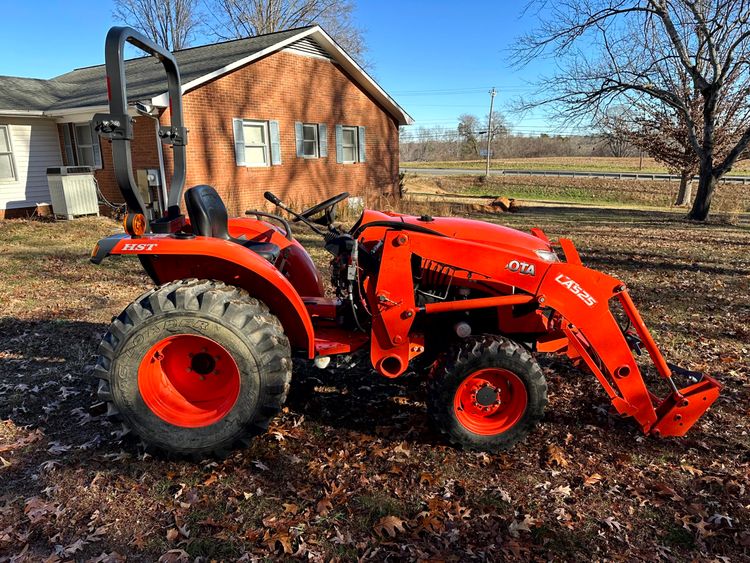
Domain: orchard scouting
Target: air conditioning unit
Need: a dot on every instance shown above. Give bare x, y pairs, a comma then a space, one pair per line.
73, 191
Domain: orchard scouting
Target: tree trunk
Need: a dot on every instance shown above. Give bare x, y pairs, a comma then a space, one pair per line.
706, 186
686, 189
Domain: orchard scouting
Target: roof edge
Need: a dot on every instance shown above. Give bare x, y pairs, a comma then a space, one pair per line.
358, 72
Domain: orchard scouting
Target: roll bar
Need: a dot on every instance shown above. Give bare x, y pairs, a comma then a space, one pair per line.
117, 125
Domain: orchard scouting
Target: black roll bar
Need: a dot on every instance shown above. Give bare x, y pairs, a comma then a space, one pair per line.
117, 125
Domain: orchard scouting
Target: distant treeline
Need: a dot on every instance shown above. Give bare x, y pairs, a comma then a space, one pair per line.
443, 144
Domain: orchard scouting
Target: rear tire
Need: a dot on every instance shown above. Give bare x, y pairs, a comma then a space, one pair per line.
195, 367
487, 394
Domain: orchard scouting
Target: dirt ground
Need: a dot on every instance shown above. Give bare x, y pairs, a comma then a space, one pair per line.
352, 470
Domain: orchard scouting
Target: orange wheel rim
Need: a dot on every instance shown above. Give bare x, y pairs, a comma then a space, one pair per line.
189, 380
490, 401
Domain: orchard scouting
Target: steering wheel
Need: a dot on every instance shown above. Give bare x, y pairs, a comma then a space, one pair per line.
324, 206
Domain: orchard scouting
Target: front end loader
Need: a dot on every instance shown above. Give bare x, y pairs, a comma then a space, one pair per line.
203, 361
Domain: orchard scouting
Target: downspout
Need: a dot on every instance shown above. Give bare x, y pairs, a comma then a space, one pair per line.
159, 150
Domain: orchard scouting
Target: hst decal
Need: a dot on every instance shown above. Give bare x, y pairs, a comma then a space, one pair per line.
138, 246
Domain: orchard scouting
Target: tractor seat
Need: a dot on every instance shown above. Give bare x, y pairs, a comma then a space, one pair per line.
208, 217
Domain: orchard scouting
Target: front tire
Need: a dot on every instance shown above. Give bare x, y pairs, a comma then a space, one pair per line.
487, 394
195, 367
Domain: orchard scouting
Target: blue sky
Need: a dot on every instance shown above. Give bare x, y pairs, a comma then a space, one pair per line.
437, 58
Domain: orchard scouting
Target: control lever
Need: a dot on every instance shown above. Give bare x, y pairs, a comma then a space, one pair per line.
278, 203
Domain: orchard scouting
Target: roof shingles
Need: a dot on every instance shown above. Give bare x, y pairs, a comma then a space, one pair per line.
86, 87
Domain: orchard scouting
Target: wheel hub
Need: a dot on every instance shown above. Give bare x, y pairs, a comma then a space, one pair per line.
490, 401
189, 380
487, 395
203, 363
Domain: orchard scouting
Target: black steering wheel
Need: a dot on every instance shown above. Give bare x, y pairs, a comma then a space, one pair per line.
324, 206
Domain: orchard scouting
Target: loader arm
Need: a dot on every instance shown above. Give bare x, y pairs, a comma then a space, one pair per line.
583, 297
584, 326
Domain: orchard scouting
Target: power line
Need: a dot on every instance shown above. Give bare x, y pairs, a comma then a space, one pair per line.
425, 93
446, 90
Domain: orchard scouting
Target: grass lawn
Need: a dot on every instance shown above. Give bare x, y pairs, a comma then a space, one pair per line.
568, 163
729, 199
353, 449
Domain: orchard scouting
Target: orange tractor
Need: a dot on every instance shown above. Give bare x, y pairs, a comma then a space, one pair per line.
203, 361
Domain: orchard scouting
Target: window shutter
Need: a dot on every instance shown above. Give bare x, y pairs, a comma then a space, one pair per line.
239, 142
322, 140
95, 147
273, 127
299, 135
339, 143
361, 143
70, 159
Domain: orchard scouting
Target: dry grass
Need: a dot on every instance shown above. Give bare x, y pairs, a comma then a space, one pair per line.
69, 488
570, 163
728, 198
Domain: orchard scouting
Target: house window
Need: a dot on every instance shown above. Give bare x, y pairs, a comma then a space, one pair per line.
7, 171
256, 143
81, 144
85, 145
349, 145
310, 140
255, 135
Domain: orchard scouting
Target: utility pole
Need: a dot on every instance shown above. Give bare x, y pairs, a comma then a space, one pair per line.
489, 132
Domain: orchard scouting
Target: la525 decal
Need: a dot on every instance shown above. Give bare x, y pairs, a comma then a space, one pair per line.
575, 289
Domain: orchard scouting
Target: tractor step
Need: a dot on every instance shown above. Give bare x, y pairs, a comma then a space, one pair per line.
330, 341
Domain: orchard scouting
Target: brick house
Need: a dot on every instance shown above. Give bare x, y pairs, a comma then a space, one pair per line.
289, 112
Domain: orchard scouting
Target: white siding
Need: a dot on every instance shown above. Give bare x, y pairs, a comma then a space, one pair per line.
35, 147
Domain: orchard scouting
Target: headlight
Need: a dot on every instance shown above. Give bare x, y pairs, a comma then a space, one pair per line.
547, 255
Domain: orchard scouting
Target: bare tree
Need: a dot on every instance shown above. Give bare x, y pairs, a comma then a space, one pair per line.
637, 51
247, 18
614, 128
170, 23
467, 129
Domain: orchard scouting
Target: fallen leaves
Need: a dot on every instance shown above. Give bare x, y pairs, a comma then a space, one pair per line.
570, 492
38, 509
556, 456
389, 526
563, 491
290, 508
324, 506
22, 441
690, 469
613, 524
515, 527
279, 538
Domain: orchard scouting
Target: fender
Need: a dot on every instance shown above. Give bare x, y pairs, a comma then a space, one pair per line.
167, 257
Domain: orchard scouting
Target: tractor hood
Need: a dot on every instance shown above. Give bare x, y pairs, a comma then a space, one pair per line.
466, 229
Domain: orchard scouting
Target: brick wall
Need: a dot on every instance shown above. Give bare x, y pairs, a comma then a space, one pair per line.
287, 88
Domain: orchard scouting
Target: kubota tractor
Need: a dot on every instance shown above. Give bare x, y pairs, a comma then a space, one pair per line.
203, 361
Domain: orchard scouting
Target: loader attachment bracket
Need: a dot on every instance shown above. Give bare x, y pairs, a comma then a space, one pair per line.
679, 411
